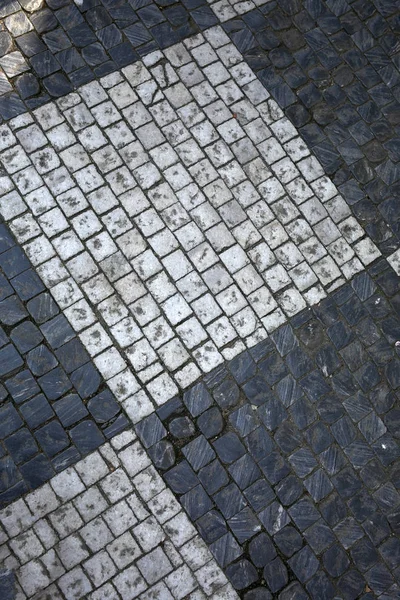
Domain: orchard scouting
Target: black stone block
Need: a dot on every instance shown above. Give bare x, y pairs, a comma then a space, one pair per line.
181, 478
42, 308
275, 574
244, 471
21, 446
211, 422
37, 471
10, 360
230, 500
211, 526
12, 311
150, 430
196, 502
213, 476
36, 411
162, 453
86, 436
52, 438
22, 386
55, 383
26, 336
70, 409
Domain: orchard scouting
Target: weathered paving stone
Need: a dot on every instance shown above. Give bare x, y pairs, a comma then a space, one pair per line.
313, 445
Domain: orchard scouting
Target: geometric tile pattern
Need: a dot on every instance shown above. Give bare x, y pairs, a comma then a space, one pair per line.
286, 454
106, 528
179, 217
288, 458
55, 407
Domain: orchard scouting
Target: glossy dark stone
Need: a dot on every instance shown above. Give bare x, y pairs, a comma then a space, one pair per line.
182, 427
70, 409
211, 422
55, 383
196, 502
57, 331
41, 360
257, 390
213, 476
242, 574
11, 311
181, 478
225, 550
21, 446
42, 308
86, 436
211, 526
275, 574
244, 471
37, 471
52, 438
150, 430
162, 453
197, 399
230, 500
86, 380
36, 411
198, 452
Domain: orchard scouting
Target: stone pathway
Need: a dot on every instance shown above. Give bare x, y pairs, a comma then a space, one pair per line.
199, 300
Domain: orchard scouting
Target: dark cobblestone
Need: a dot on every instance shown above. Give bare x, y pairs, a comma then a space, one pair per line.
60, 409
321, 489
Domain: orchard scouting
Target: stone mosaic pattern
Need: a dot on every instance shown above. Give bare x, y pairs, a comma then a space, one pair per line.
175, 218
55, 407
49, 48
107, 528
287, 458
334, 68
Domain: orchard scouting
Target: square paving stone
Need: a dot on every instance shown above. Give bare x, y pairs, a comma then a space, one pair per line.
55, 383
304, 513
226, 550
150, 430
196, 502
230, 500
244, 525
276, 575
36, 411
42, 308
70, 409
197, 399
86, 436
261, 550
103, 407
10, 360
40, 360
304, 564
72, 355
289, 490
22, 386
37, 471
10, 474
12, 311
181, 478
244, 471
21, 446
198, 452
52, 438
86, 380
13, 262
259, 494
213, 476
229, 448
319, 536
274, 467
5, 288
27, 285
26, 336
57, 331
288, 540
212, 526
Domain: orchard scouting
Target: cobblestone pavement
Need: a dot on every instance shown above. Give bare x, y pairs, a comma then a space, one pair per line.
199, 300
